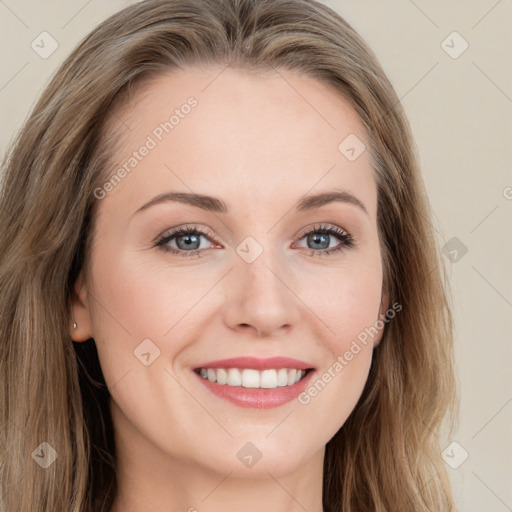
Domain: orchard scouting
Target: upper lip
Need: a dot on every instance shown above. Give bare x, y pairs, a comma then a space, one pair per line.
257, 363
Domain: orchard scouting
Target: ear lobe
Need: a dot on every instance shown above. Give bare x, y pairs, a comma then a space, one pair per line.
384, 302
80, 312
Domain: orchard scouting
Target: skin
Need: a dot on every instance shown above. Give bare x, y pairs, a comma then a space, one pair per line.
259, 142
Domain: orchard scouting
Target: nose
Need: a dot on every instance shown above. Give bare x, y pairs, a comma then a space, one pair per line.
261, 297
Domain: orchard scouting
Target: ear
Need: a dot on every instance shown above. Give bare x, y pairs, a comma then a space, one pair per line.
80, 312
384, 307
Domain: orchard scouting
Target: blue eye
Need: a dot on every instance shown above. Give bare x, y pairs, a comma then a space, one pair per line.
188, 241
186, 238
320, 235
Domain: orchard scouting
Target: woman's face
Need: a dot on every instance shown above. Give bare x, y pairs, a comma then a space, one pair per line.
259, 278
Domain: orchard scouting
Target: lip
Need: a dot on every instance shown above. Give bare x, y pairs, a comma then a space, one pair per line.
256, 363
258, 398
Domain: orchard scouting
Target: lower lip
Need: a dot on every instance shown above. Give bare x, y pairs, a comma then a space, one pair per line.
258, 398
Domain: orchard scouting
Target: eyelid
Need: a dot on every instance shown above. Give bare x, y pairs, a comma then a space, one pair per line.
204, 230
318, 227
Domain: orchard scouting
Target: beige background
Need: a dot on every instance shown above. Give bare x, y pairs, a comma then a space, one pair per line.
461, 113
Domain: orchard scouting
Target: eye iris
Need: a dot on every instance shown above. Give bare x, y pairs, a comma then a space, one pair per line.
188, 240
319, 238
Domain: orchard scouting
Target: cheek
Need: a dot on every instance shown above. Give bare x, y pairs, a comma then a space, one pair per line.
139, 298
346, 302
347, 309
135, 299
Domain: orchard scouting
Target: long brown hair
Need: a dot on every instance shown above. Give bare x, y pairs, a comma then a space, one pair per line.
387, 456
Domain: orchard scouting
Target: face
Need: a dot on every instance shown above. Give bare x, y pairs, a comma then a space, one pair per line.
262, 271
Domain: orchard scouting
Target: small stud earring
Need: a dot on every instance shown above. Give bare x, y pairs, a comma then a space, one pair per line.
75, 325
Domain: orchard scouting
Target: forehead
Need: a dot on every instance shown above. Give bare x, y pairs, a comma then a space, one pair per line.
266, 135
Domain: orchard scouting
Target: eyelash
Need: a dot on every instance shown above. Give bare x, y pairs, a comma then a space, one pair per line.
347, 241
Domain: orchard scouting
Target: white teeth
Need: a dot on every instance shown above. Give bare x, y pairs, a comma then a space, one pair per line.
222, 376
250, 378
234, 377
282, 377
268, 379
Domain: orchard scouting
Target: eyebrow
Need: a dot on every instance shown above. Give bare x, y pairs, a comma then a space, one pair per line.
213, 204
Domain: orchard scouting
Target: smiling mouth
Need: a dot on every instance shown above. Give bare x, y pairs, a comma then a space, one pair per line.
251, 378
